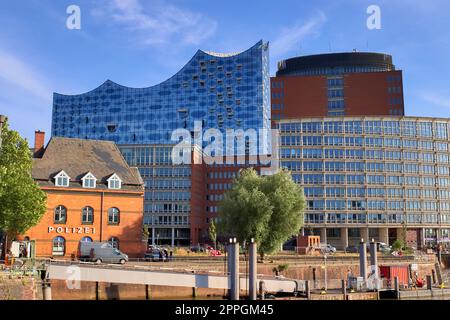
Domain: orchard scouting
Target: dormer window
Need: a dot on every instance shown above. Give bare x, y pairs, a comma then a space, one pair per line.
62, 179
89, 181
114, 182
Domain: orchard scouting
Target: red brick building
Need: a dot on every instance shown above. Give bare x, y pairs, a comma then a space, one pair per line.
338, 84
92, 195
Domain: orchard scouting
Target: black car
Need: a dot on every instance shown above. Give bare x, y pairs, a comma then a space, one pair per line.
352, 249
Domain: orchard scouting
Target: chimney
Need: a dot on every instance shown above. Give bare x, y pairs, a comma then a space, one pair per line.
39, 140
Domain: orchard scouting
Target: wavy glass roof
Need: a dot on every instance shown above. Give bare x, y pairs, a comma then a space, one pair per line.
218, 90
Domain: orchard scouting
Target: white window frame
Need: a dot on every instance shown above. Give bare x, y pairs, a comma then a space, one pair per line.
114, 178
63, 175
89, 176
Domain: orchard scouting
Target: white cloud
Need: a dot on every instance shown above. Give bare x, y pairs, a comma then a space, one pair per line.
290, 38
436, 99
18, 74
159, 23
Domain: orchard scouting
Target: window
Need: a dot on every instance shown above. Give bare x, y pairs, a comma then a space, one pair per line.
87, 216
114, 242
114, 182
86, 239
89, 180
62, 179
113, 216
60, 214
58, 246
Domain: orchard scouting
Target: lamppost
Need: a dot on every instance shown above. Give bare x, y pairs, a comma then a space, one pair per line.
2, 121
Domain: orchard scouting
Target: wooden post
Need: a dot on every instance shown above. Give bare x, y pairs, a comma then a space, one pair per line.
397, 288
429, 283
433, 274
147, 292
96, 291
344, 289
308, 290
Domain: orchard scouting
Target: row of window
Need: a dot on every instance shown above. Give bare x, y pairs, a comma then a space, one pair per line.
87, 215
62, 179
410, 205
376, 192
360, 142
166, 220
396, 218
278, 106
59, 244
405, 128
369, 179
219, 186
152, 207
223, 174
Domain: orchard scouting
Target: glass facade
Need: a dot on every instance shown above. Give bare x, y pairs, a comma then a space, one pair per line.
221, 91
370, 171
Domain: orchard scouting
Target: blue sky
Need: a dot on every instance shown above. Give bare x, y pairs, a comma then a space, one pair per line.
140, 43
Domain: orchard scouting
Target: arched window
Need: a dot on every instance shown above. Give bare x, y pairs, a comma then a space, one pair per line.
87, 216
113, 216
60, 214
114, 242
86, 239
58, 246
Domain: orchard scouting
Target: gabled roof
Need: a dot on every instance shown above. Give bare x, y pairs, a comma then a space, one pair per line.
114, 176
62, 172
77, 157
89, 174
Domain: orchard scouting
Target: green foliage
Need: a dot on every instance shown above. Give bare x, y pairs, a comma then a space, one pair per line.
397, 245
280, 269
267, 208
22, 202
212, 232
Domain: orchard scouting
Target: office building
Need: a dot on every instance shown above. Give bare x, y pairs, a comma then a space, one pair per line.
385, 178
337, 84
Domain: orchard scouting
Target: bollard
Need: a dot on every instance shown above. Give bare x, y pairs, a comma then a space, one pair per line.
46, 290
252, 270
308, 290
429, 283
262, 290
397, 288
373, 254
234, 271
147, 292
433, 273
344, 289
363, 260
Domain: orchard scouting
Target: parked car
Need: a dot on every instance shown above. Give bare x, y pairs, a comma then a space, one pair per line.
197, 249
101, 252
152, 256
351, 249
383, 247
327, 248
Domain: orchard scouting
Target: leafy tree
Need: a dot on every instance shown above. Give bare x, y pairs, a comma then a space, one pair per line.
397, 245
213, 233
22, 202
266, 208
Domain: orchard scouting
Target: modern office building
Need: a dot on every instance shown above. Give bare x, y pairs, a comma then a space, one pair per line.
385, 178
213, 90
337, 84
